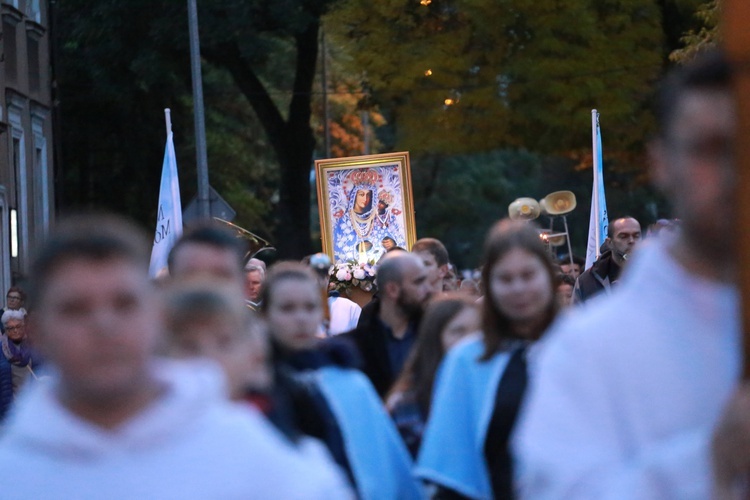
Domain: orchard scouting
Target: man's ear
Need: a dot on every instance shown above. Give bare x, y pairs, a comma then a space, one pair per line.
392, 290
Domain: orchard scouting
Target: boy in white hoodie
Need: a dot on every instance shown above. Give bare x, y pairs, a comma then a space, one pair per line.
115, 422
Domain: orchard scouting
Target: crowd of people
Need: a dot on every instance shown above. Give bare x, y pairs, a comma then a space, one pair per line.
232, 378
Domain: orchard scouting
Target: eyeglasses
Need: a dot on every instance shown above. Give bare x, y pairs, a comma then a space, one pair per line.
13, 328
17, 297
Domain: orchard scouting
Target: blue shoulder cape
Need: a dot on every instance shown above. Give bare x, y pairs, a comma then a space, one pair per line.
452, 451
380, 463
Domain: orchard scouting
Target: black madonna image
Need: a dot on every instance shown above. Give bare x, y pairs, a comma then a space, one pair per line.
365, 206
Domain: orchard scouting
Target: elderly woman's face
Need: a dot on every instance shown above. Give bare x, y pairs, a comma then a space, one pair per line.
15, 329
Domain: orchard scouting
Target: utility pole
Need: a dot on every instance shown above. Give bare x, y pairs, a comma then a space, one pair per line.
199, 116
324, 85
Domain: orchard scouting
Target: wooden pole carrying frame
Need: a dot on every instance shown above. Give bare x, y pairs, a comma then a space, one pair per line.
736, 29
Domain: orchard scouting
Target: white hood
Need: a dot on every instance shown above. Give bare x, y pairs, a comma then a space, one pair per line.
190, 443
192, 388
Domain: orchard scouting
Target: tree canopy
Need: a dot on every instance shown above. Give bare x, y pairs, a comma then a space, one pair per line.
452, 82
473, 76
132, 65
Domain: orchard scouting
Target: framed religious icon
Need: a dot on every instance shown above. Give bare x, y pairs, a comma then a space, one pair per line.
365, 205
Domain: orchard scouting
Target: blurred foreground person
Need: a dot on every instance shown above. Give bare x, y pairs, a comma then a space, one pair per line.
629, 391
206, 319
447, 320
465, 449
114, 422
341, 406
207, 250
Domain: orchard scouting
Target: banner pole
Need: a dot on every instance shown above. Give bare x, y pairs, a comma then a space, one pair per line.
168, 120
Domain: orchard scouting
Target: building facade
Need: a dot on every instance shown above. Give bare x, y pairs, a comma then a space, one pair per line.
26, 173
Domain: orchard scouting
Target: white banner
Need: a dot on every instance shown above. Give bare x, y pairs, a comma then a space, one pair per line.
598, 222
169, 215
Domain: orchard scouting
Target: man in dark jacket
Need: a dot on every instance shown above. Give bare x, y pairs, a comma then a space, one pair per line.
622, 236
387, 327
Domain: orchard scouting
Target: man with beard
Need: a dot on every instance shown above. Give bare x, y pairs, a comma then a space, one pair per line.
387, 328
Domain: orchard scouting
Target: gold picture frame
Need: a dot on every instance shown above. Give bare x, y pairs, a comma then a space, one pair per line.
365, 205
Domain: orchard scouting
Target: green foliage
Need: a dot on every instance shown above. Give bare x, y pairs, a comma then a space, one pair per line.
459, 197
112, 88
121, 63
474, 189
243, 169
708, 35
520, 73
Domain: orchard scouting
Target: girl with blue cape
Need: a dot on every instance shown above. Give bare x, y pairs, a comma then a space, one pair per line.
342, 408
480, 384
446, 320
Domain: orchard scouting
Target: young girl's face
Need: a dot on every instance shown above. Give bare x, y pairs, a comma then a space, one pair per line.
520, 287
294, 314
465, 322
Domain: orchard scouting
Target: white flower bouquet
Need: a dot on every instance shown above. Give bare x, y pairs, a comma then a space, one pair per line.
351, 274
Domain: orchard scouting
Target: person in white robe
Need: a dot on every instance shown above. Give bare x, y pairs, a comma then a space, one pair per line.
627, 396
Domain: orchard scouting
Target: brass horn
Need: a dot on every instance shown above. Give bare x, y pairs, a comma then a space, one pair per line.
556, 240
553, 239
558, 203
524, 209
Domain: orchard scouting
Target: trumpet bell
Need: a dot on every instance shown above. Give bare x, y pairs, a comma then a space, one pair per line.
558, 203
556, 240
524, 209
552, 239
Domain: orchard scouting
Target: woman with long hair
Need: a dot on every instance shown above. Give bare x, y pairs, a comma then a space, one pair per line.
447, 320
481, 382
335, 402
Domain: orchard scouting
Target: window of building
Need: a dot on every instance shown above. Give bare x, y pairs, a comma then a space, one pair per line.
33, 11
32, 49
10, 51
41, 185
